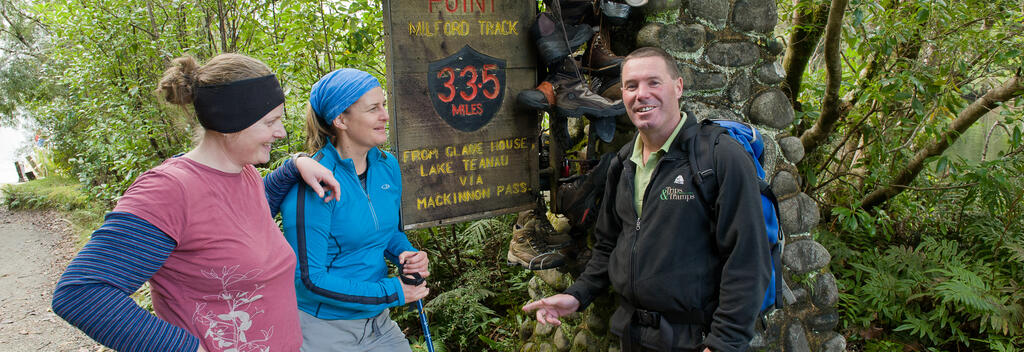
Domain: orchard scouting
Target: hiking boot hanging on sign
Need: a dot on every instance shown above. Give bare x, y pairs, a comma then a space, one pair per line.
598, 57
577, 197
572, 11
545, 230
573, 98
554, 43
529, 248
466, 88
540, 98
570, 98
608, 86
615, 11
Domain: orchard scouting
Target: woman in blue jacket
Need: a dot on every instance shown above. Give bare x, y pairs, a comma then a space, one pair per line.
341, 278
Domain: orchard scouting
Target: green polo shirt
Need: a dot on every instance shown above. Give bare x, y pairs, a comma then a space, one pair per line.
644, 171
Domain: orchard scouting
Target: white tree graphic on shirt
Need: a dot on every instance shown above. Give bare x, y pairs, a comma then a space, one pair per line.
229, 330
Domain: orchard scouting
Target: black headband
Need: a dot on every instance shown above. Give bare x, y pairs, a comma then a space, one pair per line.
232, 107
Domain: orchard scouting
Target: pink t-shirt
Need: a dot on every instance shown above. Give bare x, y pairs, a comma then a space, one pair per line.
230, 279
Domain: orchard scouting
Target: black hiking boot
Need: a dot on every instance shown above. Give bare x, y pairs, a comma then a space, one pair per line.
555, 43
577, 198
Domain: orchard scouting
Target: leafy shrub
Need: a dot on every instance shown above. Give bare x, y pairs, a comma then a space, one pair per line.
475, 297
46, 193
939, 270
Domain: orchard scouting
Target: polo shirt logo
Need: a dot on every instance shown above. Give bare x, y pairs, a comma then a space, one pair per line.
679, 180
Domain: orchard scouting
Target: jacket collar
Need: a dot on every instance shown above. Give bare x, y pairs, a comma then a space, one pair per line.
331, 155
680, 145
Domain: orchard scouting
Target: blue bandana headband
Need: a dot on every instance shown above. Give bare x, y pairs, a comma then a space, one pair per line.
336, 91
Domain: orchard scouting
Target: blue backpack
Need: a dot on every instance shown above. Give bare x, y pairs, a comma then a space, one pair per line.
702, 163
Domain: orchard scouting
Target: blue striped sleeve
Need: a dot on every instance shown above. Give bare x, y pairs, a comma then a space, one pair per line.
277, 184
93, 294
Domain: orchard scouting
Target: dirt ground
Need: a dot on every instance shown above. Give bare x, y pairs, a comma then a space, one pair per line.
35, 247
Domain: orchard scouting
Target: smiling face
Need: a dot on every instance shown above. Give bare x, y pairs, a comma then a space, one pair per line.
364, 123
650, 94
252, 145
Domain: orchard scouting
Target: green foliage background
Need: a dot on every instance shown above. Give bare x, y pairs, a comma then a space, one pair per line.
938, 267
89, 68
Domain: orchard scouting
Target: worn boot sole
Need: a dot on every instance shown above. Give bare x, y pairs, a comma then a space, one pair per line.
533, 98
608, 69
544, 261
595, 112
555, 49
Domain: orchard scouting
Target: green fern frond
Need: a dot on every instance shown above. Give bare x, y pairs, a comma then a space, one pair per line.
965, 295
480, 231
919, 327
1015, 247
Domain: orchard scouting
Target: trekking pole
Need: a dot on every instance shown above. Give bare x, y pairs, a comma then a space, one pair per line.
415, 279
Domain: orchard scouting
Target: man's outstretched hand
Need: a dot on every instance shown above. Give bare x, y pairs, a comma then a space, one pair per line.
549, 309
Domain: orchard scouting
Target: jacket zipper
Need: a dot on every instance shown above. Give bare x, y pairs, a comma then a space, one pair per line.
373, 213
632, 258
366, 191
643, 199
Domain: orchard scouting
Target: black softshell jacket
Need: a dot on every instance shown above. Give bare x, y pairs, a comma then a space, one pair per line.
669, 261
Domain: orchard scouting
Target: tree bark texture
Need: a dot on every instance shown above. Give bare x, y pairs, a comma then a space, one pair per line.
808, 25
830, 103
223, 26
968, 116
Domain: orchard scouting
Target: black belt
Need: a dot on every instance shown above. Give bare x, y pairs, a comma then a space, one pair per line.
651, 319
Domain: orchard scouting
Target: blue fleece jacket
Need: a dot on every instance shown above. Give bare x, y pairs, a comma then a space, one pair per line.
341, 245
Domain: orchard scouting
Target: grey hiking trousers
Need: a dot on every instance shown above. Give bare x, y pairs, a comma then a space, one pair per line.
379, 333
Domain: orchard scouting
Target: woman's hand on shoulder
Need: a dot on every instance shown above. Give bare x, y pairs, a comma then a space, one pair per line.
415, 262
318, 177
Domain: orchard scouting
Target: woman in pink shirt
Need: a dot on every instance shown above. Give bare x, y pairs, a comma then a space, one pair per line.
199, 229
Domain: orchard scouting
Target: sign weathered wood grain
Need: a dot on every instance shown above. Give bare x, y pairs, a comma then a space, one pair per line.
466, 150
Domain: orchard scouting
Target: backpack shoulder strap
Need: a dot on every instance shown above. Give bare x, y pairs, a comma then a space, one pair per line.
615, 166
702, 164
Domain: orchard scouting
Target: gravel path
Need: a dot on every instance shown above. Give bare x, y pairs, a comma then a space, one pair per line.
35, 247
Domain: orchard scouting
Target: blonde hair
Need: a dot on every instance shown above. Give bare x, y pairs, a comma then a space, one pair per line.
179, 82
317, 131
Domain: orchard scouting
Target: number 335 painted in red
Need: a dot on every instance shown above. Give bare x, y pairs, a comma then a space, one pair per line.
466, 88
472, 84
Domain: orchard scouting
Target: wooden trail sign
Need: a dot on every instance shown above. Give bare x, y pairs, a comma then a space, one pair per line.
466, 150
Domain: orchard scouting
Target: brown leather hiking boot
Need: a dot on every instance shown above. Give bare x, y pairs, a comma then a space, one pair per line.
529, 248
554, 239
599, 57
608, 86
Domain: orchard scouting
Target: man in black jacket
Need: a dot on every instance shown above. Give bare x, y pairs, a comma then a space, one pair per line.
688, 276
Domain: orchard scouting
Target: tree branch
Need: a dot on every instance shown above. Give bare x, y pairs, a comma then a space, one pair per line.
1010, 89
937, 188
830, 104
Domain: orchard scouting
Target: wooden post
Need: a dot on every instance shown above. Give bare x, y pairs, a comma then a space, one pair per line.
21, 175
